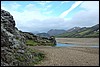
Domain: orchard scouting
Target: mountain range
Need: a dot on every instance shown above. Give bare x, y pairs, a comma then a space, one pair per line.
81, 32
43, 35
74, 32
54, 32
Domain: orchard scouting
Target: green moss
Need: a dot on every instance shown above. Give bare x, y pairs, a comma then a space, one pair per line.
31, 43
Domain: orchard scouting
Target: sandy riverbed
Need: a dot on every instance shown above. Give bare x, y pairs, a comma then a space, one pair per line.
80, 41
71, 56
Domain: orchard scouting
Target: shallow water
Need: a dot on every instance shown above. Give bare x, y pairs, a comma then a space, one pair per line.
72, 45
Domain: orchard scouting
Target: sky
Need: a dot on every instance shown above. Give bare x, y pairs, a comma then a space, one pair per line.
41, 16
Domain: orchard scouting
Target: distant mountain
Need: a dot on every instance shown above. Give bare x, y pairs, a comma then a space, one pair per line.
74, 29
54, 32
43, 35
35, 32
81, 32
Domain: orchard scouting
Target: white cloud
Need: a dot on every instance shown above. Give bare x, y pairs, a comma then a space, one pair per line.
3, 7
12, 6
70, 9
46, 8
48, 1
49, 6
64, 2
34, 20
15, 6
48, 12
30, 6
87, 17
50, 23
42, 3
90, 5
29, 20
24, 18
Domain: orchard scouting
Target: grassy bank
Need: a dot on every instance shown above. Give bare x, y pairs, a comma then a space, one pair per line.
33, 43
38, 56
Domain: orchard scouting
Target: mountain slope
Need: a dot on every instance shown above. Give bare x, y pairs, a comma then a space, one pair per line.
43, 35
74, 29
82, 32
54, 32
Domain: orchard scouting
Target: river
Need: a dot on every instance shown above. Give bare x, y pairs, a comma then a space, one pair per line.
72, 45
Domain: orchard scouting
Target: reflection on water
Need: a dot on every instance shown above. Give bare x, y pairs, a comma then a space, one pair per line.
72, 45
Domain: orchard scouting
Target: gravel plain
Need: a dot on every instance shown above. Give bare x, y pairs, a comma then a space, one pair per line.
70, 56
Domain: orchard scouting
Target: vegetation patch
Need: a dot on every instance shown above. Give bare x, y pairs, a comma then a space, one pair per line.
37, 57
41, 42
30, 57
31, 43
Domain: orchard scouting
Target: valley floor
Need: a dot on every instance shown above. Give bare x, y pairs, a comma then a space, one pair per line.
80, 41
71, 56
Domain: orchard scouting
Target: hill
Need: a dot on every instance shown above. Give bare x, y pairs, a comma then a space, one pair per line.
54, 32
76, 32
43, 35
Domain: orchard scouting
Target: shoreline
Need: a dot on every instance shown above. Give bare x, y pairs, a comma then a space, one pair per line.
79, 41
71, 56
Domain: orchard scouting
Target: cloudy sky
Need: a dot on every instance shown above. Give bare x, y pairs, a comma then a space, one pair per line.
41, 16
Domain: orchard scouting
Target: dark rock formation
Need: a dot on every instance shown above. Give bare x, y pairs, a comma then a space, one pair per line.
14, 51
29, 36
52, 38
46, 41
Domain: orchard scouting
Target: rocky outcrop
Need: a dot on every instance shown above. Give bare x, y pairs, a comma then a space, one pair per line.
13, 49
29, 36
45, 41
